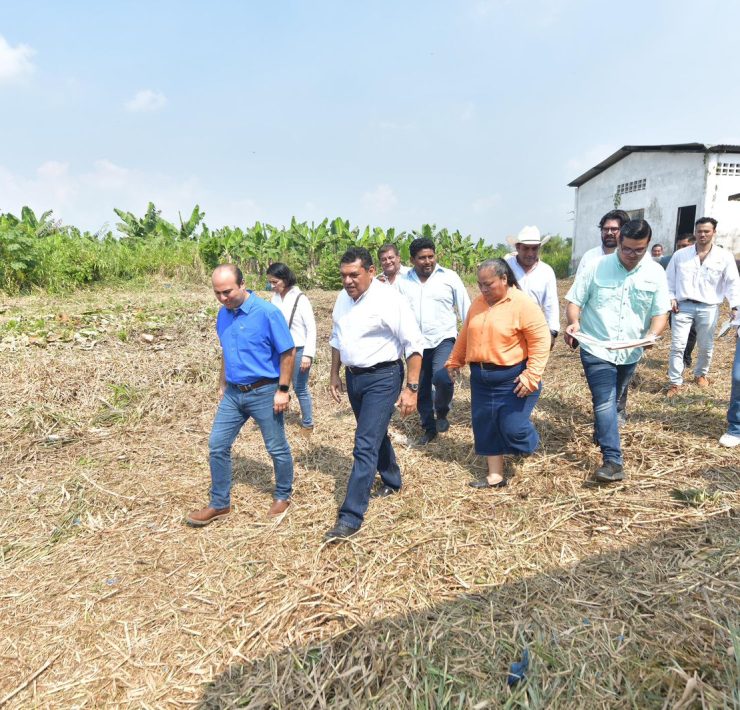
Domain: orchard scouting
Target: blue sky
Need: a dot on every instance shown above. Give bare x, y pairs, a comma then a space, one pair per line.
473, 115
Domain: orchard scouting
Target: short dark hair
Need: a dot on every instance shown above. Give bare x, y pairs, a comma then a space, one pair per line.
357, 253
421, 243
501, 268
386, 248
706, 220
234, 269
635, 229
655, 246
620, 215
690, 237
283, 272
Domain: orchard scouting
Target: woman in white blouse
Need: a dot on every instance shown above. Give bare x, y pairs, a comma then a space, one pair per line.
296, 308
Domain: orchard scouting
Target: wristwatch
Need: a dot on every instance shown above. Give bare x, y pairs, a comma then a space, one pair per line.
413, 386
284, 388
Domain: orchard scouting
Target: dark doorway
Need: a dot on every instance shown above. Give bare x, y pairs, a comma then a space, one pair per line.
685, 221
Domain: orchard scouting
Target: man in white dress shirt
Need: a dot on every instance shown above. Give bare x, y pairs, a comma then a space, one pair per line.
609, 227
373, 329
438, 298
390, 263
700, 277
536, 278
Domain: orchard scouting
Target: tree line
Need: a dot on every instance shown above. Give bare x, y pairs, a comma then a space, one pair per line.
41, 252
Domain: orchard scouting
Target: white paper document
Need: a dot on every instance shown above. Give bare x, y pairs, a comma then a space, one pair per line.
614, 344
727, 325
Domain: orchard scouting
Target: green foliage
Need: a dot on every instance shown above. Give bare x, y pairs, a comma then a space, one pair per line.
557, 253
37, 252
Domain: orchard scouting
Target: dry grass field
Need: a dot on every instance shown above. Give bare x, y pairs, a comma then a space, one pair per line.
625, 596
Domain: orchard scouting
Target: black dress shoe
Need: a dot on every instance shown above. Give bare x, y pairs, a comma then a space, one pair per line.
610, 472
340, 532
383, 492
426, 438
442, 425
485, 484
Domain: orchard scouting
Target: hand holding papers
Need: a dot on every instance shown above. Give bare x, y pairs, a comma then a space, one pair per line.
727, 325
614, 344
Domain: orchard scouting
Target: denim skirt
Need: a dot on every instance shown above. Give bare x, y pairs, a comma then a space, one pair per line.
501, 422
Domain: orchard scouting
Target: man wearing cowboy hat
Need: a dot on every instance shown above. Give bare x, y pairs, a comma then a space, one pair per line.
536, 278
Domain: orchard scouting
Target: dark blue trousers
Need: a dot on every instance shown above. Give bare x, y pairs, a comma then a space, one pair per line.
434, 374
373, 396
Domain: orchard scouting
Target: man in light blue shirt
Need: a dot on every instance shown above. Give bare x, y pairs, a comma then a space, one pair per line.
438, 298
620, 297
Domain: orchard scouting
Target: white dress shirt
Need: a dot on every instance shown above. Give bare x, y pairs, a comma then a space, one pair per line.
539, 283
402, 271
589, 257
709, 282
377, 327
303, 328
434, 303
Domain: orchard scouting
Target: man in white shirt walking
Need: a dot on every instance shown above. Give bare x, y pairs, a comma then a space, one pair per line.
390, 264
700, 277
609, 227
437, 297
536, 278
373, 329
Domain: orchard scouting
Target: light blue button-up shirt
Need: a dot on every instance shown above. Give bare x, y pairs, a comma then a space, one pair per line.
617, 304
437, 303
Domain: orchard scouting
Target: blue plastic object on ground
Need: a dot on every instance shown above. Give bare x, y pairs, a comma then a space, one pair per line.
519, 669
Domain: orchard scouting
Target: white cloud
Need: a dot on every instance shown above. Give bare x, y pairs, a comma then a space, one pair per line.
86, 198
381, 200
146, 100
468, 112
15, 62
486, 204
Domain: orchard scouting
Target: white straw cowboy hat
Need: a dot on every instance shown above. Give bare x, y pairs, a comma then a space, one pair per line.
528, 235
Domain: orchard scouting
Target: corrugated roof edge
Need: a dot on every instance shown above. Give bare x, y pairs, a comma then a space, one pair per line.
669, 148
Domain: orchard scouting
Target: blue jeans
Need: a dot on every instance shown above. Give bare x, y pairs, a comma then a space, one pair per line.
607, 383
703, 318
300, 387
433, 373
373, 396
733, 412
233, 412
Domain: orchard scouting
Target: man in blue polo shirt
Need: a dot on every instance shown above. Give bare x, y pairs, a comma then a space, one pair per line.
620, 297
256, 369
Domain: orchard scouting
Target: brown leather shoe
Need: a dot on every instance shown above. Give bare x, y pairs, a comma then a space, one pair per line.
702, 382
673, 390
205, 516
306, 431
278, 507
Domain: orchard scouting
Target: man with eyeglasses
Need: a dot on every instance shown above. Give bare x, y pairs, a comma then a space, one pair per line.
609, 227
700, 277
621, 297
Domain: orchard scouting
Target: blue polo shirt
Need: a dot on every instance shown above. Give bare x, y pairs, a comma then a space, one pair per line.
252, 338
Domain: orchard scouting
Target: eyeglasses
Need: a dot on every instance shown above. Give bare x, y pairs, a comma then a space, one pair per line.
607, 230
632, 252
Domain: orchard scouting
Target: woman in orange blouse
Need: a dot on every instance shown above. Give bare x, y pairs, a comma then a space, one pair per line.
506, 341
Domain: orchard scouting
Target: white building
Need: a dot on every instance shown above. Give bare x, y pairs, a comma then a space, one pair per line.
670, 186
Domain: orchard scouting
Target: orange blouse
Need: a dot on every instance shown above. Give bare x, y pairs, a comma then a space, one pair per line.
510, 331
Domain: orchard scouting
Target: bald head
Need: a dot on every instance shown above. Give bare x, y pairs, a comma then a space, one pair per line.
227, 280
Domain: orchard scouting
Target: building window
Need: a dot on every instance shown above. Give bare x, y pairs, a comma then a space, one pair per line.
728, 169
633, 186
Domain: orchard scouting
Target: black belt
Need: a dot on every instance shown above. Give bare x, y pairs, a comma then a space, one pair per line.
373, 368
256, 384
701, 303
493, 365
